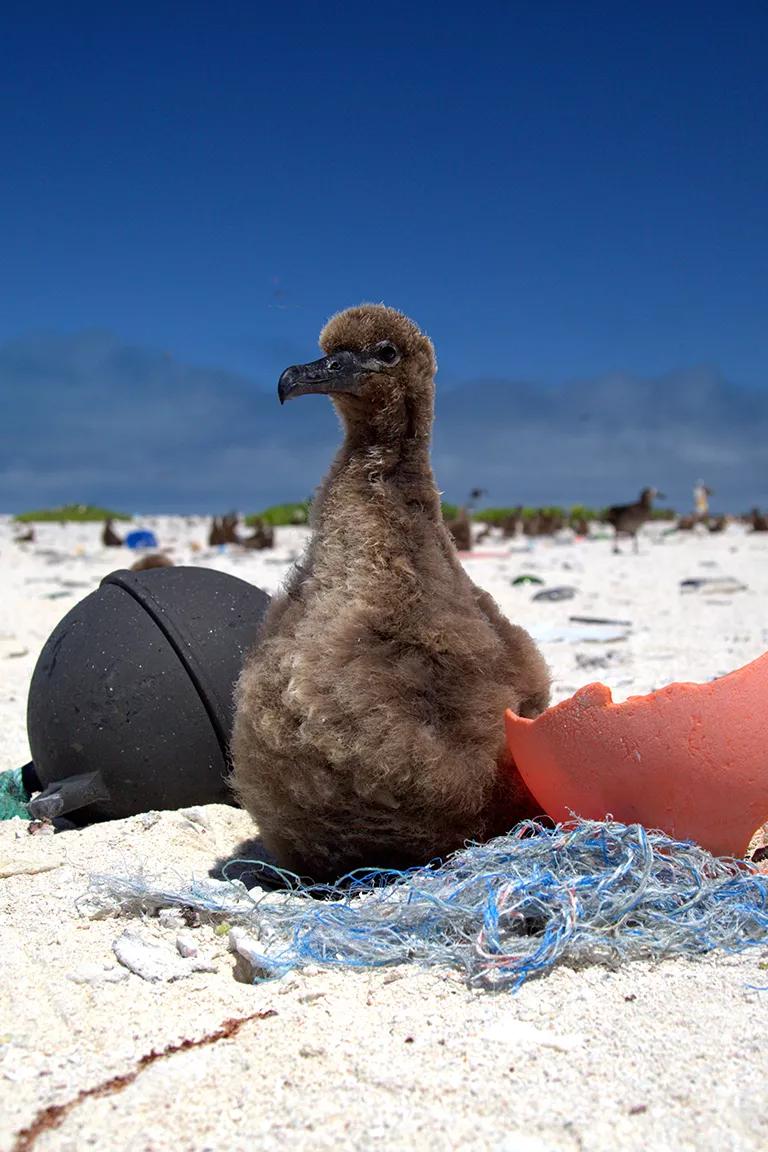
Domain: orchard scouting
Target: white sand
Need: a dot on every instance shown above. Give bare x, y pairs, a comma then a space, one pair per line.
660, 1057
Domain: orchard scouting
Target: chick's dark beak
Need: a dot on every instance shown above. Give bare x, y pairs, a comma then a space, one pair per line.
331, 374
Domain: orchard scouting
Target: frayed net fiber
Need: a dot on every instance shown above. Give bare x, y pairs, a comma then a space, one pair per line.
578, 893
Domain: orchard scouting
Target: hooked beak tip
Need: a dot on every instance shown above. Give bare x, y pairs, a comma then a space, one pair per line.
285, 384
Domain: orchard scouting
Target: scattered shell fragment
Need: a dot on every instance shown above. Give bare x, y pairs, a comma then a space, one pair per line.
153, 961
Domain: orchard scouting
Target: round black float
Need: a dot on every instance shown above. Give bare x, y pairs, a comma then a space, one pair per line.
130, 705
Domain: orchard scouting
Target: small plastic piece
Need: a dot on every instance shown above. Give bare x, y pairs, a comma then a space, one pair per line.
563, 592
141, 538
68, 795
689, 759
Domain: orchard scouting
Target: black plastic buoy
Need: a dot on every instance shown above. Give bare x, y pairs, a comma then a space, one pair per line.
130, 705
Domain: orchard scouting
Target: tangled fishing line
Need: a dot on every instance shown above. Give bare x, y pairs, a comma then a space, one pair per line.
581, 892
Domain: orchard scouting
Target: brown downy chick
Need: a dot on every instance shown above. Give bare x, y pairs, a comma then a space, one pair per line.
215, 534
460, 529
154, 560
229, 529
109, 537
262, 536
511, 526
369, 717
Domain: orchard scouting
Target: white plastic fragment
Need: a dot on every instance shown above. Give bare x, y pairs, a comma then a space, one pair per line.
186, 945
153, 961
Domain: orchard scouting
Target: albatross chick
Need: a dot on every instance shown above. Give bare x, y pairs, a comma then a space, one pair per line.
369, 717
110, 538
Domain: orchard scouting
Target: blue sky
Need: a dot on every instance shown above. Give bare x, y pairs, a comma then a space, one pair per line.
570, 198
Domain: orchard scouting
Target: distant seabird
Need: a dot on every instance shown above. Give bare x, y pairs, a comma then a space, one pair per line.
628, 519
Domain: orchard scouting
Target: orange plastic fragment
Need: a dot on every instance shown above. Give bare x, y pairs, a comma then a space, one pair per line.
690, 759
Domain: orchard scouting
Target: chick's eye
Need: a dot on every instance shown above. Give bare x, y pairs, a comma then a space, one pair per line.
387, 353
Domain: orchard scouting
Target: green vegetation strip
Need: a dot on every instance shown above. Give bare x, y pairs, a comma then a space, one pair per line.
79, 513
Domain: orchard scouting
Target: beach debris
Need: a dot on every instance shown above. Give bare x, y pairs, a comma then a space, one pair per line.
723, 585
500, 912
13, 795
563, 592
599, 620
687, 758
42, 827
153, 961
578, 633
599, 662
526, 578
141, 538
134, 751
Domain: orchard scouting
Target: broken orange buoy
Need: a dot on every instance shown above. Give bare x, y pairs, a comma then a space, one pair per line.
690, 759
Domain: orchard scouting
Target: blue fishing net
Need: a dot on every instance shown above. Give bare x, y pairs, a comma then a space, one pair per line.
505, 911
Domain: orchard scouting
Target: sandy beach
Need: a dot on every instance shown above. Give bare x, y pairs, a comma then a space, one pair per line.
662, 1056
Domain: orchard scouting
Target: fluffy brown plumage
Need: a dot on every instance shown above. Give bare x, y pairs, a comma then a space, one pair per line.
262, 536
154, 560
369, 717
215, 533
511, 525
223, 530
